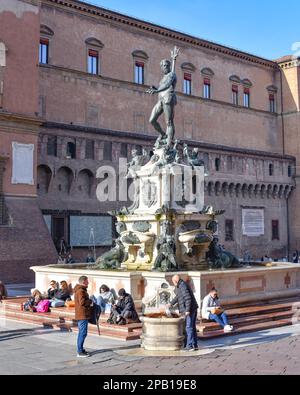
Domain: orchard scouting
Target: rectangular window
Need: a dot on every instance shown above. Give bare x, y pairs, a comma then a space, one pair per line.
89, 149
229, 236
139, 73
52, 146
247, 97
124, 150
107, 151
93, 62
86, 231
275, 230
272, 103
206, 89
187, 84
235, 95
44, 51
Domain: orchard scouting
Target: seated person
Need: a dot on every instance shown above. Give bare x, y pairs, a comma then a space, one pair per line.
70, 259
33, 301
106, 298
124, 309
63, 293
90, 259
54, 286
3, 291
211, 310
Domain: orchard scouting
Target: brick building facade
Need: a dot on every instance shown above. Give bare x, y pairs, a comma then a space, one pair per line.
89, 108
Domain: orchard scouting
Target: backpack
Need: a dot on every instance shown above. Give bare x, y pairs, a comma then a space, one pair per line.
43, 306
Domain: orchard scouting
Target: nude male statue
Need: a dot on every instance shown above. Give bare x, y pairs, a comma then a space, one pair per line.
166, 101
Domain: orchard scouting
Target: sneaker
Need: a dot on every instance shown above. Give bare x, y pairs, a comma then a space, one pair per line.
83, 355
189, 349
228, 328
196, 348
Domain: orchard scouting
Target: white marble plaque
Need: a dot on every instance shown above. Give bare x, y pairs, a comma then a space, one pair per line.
253, 222
2, 55
22, 165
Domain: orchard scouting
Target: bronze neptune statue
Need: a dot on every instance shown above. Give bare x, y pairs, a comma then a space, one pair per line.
166, 101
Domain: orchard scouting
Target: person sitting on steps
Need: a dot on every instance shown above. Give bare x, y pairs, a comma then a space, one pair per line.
124, 310
105, 299
212, 310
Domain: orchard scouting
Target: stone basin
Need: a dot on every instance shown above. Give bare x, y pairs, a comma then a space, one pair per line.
162, 333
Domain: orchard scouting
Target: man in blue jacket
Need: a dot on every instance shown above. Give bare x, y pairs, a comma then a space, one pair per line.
188, 306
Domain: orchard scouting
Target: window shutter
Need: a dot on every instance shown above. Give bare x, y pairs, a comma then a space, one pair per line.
93, 53
187, 77
44, 41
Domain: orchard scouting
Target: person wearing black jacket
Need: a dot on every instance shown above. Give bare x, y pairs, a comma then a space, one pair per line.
54, 287
125, 308
188, 306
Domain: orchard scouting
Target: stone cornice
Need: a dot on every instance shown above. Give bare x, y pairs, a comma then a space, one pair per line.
150, 138
111, 16
20, 119
142, 88
293, 62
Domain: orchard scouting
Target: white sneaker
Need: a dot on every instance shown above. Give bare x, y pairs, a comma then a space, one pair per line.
228, 328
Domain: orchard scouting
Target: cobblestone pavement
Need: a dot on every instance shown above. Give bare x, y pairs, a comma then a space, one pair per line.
27, 349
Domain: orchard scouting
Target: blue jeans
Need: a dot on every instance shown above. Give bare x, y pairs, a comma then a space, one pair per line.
100, 302
222, 319
82, 334
191, 330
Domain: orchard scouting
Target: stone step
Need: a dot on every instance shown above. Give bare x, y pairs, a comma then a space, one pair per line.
273, 301
245, 318
246, 329
47, 320
263, 309
246, 321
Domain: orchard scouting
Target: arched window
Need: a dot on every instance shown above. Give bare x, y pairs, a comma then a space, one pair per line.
188, 70
45, 36
94, 47
272, 92
218, 164
207, 74
290, 171
271, 169
140, 59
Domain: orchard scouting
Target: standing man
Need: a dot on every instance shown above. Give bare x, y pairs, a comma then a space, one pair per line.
166, 100
187, 305
83, 312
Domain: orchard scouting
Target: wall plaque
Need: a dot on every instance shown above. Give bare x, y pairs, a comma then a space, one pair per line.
22, 163
253, 222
